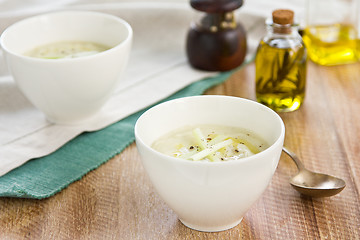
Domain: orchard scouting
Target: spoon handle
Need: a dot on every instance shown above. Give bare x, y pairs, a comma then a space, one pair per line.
292, 155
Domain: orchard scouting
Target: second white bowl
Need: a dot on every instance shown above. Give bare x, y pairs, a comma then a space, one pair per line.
68, 91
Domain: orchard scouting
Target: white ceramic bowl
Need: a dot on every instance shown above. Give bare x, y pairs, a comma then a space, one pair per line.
68, 91
210, 196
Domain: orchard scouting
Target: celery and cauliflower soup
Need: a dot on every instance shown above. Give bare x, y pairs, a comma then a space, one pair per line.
66, 49
211, 143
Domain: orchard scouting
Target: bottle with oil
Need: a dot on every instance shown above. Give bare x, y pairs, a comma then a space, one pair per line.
281, 65
332, 34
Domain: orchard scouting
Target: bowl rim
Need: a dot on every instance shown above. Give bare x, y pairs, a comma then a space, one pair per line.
76, 13
278, 141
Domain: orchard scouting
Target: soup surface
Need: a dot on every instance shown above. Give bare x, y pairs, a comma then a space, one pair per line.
66, 49
210, 143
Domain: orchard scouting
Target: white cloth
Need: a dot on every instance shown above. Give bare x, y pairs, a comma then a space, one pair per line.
157, 68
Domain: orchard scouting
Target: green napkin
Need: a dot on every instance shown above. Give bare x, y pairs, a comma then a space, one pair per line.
44, 177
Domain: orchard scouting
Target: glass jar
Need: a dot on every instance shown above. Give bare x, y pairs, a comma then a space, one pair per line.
215, 41
332, 33
281, 65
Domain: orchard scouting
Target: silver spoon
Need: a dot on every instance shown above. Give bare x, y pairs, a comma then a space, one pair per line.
314, 184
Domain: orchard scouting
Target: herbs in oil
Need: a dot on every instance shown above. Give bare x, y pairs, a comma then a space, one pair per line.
281, 68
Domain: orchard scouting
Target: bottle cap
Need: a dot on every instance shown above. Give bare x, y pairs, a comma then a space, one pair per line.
283, 16
216, 6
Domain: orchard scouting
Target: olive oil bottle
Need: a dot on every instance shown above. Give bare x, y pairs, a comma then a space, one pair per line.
332, 32
332, 44
281, 65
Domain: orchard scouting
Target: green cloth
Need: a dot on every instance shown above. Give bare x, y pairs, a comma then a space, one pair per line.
44, 177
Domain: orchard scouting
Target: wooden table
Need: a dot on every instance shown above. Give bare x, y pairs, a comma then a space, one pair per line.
117, 200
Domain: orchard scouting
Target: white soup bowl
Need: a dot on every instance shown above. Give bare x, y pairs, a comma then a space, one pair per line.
210, 196
68, 91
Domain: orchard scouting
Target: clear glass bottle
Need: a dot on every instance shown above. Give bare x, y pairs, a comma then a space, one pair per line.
281, 65
216, 41
332, 33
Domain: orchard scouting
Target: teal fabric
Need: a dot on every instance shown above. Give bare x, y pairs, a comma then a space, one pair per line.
44, 177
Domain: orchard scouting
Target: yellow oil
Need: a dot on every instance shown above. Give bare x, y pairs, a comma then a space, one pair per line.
332, 44
280, 76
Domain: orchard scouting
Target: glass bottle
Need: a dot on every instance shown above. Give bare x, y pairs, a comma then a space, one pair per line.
281, 65
216, 42
332, 33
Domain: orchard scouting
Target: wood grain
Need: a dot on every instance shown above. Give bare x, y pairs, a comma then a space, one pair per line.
117, 201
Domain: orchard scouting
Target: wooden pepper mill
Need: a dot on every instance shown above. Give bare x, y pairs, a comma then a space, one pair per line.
216, 42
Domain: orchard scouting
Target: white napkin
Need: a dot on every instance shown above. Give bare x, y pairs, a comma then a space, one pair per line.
157, 68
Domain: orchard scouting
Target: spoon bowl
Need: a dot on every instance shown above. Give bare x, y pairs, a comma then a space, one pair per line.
314, 184
317, 184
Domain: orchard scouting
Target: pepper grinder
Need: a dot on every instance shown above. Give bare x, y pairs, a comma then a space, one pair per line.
216, 42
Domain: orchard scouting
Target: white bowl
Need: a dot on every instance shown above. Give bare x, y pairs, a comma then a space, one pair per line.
210, 196
68, 91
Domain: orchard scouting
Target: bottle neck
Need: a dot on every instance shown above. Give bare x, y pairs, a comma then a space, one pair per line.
287, 37
283, 30
215, 22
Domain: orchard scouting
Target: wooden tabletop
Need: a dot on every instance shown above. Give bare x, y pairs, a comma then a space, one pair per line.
117, 200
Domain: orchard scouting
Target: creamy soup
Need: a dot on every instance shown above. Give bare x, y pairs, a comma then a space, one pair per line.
66, 49
210, 143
